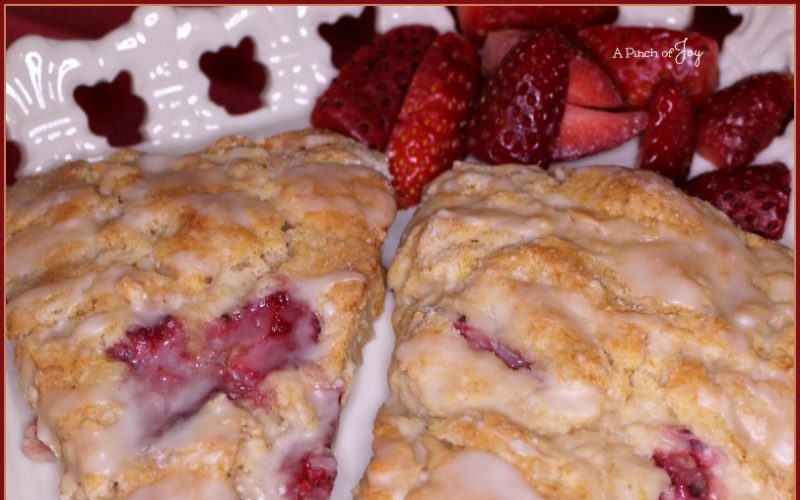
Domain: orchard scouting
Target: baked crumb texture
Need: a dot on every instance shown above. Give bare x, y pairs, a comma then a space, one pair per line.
584, 334
189, 327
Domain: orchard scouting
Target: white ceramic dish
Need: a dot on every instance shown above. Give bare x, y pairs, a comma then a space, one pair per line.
160, 47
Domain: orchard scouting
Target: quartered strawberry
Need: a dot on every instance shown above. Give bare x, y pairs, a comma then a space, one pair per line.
520, 109
755, 197
477, 22
637, 73
586, 131
589, 84
667, 144
364, 99
431, 129
739, 121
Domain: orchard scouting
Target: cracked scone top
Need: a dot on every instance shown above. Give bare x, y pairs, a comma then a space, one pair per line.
190, 326
584, 334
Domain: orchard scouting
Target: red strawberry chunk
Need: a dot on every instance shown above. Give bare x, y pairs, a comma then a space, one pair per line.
431, 129
32, 447
312, 475
174, 377
587, 131
668, 141
480, 341
754, 197
691, 467
589, 84
739, 121
637, 74
519, 113
364, 99
477, 22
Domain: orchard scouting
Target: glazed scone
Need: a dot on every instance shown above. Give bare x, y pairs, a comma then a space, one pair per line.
590, 333
189, 327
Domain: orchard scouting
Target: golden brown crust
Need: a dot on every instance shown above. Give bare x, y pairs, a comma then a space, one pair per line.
97, 248
570, 323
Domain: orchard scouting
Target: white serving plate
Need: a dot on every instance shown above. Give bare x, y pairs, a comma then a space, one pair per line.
160, 47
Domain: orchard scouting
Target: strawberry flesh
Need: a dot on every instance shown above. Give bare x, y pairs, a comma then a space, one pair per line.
755, 197
589, 84
174, 378
33, 447
363, 101
586, 131
312, 475
477, 22
637, 74
519, 113
739, 121
431, 129
690, 465
480, 341
668, 141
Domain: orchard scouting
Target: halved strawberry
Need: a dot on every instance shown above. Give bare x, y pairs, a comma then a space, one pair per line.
637, 72
519, 113
755, 197
587, 131
364, 99
667, 144
431, 129
739, 121
589, 84
477, 22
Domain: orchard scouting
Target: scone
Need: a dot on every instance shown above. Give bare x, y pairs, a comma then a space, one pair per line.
585, 334
189, 327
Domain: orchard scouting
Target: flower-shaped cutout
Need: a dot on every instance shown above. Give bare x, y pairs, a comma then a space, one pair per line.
113, 110
348, 34
237, 79
13, 160
715, 22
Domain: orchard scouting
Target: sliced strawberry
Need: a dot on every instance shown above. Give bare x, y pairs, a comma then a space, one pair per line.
364, 99
754, 197
589, 84
667, 144
587, 131
739, 121
637, 73
497, 45
477, 22
431, 129
519, 113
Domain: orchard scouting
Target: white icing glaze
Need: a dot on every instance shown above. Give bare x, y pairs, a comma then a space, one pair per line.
28, 253
477, 475
375, 205
489, 384
186, 487
312, 288
154, 163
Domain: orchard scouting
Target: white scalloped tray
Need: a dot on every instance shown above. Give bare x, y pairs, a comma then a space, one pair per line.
160, 47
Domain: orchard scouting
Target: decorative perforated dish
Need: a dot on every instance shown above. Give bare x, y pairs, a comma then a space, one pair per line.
157, 59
